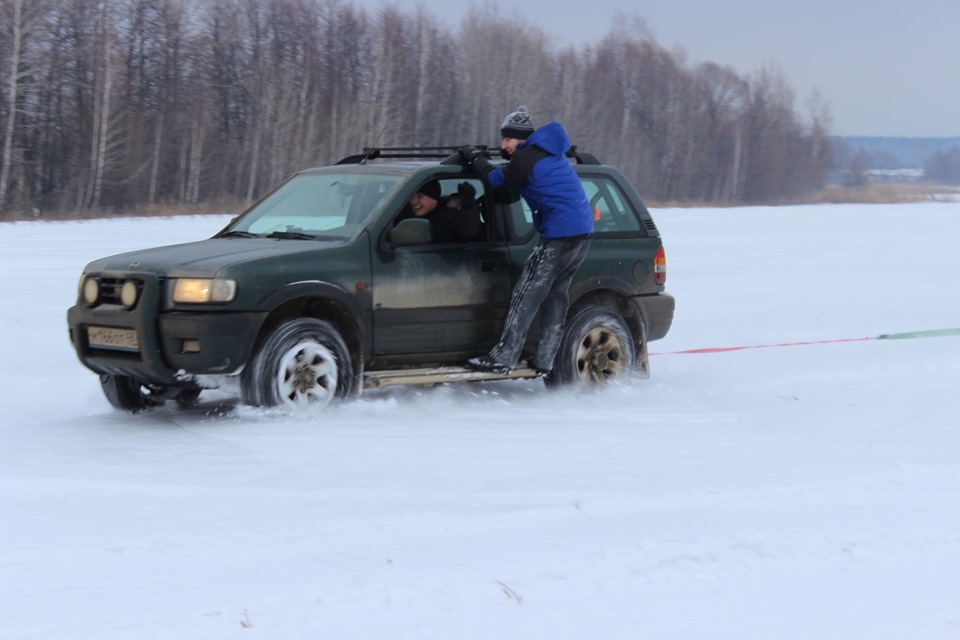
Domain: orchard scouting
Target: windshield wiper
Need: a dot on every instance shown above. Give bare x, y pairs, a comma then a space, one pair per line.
238, 234
292, 235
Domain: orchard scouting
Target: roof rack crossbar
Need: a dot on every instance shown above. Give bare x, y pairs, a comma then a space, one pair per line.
434, 153
408, 153
448, 149
413, 155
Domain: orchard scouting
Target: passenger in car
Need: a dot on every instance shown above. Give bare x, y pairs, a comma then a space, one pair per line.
453, 218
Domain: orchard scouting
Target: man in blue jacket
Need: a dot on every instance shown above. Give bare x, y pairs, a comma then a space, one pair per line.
539, 168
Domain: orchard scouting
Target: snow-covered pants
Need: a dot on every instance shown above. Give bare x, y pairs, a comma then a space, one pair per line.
543, 286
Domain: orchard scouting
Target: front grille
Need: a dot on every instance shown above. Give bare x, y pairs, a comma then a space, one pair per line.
110, 290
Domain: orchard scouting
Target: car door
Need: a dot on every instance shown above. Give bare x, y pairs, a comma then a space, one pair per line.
441, 302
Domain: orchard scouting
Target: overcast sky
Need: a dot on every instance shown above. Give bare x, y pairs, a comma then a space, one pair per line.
887, 67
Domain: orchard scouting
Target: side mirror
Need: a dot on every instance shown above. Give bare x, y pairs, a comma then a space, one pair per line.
411, 231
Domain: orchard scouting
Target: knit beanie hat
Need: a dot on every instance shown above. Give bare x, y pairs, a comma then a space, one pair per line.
431, 190
517, 125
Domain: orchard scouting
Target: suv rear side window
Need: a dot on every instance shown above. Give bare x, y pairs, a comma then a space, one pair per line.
612, 212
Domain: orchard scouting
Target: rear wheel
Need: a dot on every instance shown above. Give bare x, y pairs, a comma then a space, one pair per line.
597, 346
302, 363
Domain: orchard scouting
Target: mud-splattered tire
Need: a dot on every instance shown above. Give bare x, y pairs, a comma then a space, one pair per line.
597, 346
128, 394
302, 363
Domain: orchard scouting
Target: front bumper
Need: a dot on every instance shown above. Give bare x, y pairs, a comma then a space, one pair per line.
171, 344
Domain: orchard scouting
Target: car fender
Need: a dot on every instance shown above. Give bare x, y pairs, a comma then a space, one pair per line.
314, 292
616, 292
618, 285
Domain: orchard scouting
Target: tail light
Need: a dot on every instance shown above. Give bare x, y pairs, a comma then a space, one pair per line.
660, 267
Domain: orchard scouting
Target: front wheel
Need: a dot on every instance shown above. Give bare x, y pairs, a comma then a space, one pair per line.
596, 347
129, 394
301, 363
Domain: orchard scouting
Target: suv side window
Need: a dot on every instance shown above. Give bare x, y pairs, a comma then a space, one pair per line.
612, 212
517, 213
522, 218
448, 187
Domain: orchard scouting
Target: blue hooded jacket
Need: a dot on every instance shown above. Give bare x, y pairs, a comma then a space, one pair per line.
548, 183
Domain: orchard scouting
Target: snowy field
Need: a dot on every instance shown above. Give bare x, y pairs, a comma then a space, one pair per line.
791, 492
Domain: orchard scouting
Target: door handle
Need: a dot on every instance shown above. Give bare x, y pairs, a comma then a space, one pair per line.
489, 265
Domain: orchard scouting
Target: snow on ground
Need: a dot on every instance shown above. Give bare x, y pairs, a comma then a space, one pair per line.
781, 493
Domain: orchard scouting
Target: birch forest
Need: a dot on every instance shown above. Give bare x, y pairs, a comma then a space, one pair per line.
112, 106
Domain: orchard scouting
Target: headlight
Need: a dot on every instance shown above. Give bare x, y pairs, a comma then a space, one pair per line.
200, 290
91, 291
128, 294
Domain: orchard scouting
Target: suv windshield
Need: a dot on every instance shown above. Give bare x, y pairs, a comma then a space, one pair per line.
316, 205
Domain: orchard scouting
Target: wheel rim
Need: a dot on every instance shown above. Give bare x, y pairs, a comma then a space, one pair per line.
307, 376
600, 356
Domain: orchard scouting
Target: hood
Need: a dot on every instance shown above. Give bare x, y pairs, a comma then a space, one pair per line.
206, 257
552, 138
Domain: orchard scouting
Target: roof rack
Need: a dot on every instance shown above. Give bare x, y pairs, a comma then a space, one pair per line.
582, 157
447, 155
406, 153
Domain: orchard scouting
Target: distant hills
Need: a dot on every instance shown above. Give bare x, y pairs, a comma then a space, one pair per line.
879, 152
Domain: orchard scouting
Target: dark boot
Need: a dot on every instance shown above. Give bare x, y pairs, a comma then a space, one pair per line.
486, 363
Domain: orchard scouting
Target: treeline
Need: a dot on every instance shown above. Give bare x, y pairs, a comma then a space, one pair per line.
938, 158
114, 105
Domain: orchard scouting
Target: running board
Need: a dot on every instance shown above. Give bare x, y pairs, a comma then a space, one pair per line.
439, 375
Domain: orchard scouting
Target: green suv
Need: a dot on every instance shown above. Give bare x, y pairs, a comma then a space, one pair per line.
323, 289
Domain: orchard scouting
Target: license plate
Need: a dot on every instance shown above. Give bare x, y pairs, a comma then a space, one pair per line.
110, 338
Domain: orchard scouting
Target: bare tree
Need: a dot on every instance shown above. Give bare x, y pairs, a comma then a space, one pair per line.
772, 129
507, 64
721, 97
22, 22
106, 140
